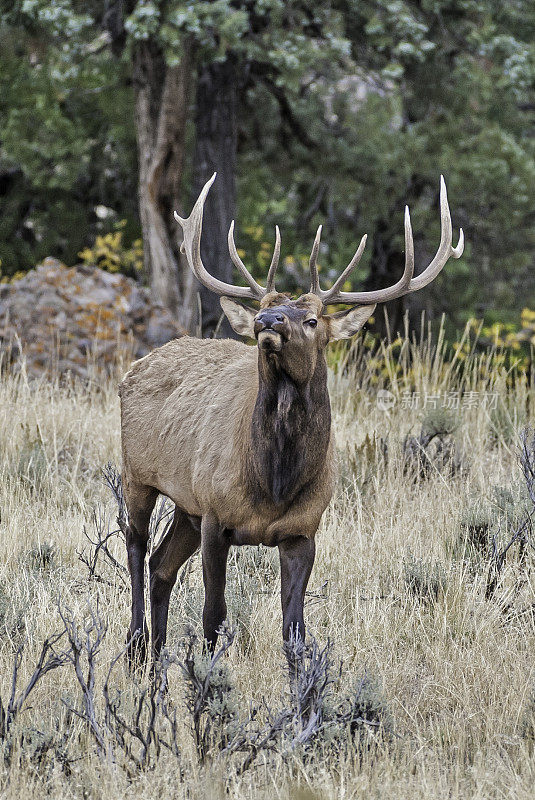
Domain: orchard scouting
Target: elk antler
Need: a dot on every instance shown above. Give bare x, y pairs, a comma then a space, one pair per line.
191, 246
406, 283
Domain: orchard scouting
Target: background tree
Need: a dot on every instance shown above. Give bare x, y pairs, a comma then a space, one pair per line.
67, 158
428, 88
228, 45
337, 113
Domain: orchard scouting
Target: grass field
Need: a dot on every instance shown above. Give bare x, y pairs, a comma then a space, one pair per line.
400, 587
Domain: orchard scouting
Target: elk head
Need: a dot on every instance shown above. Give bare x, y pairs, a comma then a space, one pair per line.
292, 333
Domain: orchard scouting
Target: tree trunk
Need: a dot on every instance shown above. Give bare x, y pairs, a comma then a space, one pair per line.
215, 151
161, 111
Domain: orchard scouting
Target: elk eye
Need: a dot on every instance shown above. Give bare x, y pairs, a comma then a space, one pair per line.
311, 322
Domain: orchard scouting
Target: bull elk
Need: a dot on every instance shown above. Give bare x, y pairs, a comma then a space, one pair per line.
239, 437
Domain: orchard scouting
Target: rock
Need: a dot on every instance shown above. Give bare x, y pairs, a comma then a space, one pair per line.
137, 304
158, 330
79, 320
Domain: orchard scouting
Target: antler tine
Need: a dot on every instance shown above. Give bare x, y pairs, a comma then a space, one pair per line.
445, 249
334, 295
350, 267
236, 260
406, 283
191, 246
270, 283
313, 265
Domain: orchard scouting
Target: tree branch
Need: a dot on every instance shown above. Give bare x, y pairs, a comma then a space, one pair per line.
260, 71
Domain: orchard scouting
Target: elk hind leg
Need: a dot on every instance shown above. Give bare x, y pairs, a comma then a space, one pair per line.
179, 543
140, 502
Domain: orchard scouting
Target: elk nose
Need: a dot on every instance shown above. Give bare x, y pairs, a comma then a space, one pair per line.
274, 320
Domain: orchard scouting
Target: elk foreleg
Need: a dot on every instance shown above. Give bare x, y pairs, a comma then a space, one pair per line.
140, 504
176, 547
215, 544
296, 559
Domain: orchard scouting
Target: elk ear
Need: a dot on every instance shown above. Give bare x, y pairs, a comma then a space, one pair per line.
344, 324
240, 317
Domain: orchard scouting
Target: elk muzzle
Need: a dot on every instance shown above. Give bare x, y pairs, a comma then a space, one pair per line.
272, 329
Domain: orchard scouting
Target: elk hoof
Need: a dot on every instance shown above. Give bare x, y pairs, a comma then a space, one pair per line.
136, 649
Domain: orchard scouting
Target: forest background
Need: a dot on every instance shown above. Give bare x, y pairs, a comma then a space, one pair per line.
114, 112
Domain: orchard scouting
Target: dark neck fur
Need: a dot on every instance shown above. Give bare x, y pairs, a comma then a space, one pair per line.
290, 432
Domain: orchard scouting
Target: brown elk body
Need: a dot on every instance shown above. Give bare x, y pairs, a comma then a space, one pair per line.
240, 437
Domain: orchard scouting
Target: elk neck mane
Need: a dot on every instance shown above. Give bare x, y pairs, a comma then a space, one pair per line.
290, 433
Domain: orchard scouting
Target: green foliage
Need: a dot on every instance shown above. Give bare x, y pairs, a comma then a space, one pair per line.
110, 252
11, 619
347, 111
439, 421
67, 143
418, 97
492, 519
425, 580
41, 558
476, 529
32, 464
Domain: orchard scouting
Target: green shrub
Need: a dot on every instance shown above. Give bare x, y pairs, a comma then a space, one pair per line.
426, 581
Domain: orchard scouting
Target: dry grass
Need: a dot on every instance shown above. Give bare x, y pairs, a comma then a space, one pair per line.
398, 587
